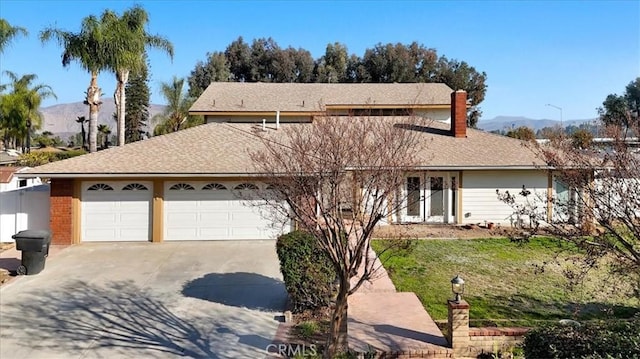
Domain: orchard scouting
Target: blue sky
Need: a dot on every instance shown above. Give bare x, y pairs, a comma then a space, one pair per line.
571, 54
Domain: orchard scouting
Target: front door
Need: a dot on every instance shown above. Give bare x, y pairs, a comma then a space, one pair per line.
414, 188
430, 198
435, 202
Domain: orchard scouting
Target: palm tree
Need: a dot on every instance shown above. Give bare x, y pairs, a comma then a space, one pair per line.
176, 114
19, 108
105, 131
88, 48
128, 40
81, 120
8, 33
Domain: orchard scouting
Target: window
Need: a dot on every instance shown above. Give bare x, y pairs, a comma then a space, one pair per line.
100, 187
382, 112
22, 183
181, 187
135, 187
214, 187
245, 186
454, 196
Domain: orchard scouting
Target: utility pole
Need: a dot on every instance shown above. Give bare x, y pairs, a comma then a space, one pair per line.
558, 108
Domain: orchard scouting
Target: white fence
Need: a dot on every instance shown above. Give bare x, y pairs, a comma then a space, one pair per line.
24, 208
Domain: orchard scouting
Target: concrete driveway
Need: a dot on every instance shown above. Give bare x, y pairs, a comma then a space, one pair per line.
146, 300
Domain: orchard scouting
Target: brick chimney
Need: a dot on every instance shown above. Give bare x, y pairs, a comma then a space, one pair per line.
459, 113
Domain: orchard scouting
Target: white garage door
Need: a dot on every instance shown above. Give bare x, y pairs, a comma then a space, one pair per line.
116, 211
214, 211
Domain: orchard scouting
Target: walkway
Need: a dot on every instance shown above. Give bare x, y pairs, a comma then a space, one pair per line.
395, 323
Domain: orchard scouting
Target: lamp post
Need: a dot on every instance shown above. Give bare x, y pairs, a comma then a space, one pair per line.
457, 287
557, 108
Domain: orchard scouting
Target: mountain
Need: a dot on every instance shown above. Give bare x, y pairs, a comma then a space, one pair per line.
507, 122
61, 119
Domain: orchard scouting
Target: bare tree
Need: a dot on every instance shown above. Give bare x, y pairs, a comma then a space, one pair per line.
338, 178
595, 204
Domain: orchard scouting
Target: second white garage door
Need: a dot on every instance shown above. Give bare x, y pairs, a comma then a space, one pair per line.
211, 211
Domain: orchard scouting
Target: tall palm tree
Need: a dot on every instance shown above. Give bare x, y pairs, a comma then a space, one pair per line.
19, 108
8, 33
88, 48
175, 116
128, 40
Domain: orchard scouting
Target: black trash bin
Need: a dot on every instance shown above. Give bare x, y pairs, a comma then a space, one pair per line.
34, 245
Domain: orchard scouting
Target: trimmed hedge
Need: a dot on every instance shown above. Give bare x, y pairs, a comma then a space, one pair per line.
307, 271
615, 339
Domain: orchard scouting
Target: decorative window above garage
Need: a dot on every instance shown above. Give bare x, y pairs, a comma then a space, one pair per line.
135, 187
246, 186
100, 187
181, 187
213, 187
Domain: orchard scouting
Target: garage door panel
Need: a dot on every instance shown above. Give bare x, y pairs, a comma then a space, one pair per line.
214, 232
214, 217
99, 207
209, 205
246, 233
182, 205
101, 220
182, 219
100, 234
134, 233
182, 233
134, 219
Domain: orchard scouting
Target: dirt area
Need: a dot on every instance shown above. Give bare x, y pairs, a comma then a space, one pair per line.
311, 327
5, 275
442, 231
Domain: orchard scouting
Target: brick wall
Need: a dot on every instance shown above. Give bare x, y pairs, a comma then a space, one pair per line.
470, 342
60, 220
493, 340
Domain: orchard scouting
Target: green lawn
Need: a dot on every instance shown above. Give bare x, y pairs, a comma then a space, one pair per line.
504, 284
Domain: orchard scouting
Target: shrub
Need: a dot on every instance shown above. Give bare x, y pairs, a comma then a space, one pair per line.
307, 271
34, 159
611, 339
307, 330
37, 158
70, 153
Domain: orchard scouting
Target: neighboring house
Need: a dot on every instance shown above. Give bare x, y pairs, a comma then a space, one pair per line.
24, 203
179, 186
8, 157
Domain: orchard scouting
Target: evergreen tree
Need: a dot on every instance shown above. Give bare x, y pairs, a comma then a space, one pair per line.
137, 110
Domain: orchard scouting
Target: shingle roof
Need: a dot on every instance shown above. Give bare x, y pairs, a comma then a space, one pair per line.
223, 149
305, 97
7, 172
6, 158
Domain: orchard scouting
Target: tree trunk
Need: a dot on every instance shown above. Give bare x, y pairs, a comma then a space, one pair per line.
84, 135
337, 341
120, 98
93, 100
